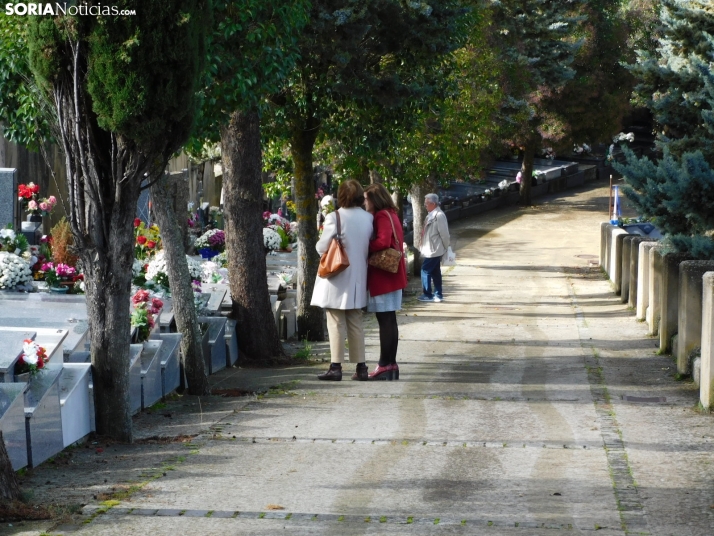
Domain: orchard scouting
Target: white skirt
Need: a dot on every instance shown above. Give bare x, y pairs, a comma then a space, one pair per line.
392, 301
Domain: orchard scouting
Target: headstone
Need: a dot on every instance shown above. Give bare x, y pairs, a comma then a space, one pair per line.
151, 373
170, 360
216, 358
135, 377
12, 422
11, 342
689, 324
76, 402
8, 198
142, 206
43, 417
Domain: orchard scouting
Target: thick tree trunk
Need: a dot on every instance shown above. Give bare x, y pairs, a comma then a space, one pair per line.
258, 339
107, 272
301, 145
162, 195
9, 488
417, 192
527, 172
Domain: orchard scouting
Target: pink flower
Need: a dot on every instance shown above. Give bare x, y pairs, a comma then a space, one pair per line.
47, 267
52, 200
32, 205
44, 206
141, 296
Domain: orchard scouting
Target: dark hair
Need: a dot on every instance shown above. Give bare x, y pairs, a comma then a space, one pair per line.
379, 197
350, 194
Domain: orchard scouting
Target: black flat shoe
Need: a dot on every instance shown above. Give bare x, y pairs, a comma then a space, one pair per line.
333, 374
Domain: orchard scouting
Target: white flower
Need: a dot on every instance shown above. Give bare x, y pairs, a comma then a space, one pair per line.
14, 271
7, 233
30, 351
271, 239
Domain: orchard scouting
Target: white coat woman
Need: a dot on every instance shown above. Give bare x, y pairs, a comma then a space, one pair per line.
344, 295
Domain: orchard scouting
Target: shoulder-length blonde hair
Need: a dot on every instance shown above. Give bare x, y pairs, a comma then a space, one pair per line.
379, 197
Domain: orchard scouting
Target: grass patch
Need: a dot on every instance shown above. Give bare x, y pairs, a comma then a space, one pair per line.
304, 353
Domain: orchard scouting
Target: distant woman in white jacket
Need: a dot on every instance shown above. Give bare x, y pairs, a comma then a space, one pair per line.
344, 295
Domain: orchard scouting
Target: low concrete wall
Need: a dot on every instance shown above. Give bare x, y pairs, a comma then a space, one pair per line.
618, 242
669, 299
689, 326
625, 268
634, 270
614, 255
655, 290
643, 279
604, 250
706, 378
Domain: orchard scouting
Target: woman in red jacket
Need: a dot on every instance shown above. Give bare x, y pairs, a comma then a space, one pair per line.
385, 288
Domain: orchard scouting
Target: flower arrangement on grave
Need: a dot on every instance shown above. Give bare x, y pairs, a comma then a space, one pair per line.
198, 302
15, 272
214, 273
156, 273
271, 240
60, 244
13, 242
147, 239
221, 259
28, 195
287, 278
146, 309
33, 359
55, 274
210, 243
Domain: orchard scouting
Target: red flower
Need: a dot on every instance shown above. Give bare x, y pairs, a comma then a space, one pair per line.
35, 188
137, 222
150, 321
141, 296
40, 363
156, 303
141, 239
151, 244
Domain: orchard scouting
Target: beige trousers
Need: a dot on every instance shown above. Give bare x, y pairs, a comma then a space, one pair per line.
343, 325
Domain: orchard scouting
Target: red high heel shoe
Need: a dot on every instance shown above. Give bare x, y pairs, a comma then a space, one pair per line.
395, 371
381, 373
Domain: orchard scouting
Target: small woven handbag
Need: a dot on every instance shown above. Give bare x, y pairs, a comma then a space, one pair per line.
387, 259
335, 258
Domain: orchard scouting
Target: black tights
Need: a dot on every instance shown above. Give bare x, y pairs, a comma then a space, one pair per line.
388, 337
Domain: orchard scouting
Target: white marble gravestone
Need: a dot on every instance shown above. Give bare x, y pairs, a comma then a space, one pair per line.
12, 422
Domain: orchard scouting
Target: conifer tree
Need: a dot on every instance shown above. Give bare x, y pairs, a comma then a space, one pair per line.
677, 190
124, 93
537, 44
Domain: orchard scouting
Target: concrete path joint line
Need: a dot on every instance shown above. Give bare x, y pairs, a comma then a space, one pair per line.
626, 494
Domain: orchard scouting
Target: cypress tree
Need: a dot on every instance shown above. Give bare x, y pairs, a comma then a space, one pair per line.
124, 89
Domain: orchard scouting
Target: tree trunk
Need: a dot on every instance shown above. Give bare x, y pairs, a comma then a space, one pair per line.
301, 146
398, 199
9, 488
418, 192
107, 271
375, 177
527, 172
257, 334
162, 194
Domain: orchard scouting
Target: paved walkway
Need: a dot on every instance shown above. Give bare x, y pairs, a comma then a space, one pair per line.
510, 418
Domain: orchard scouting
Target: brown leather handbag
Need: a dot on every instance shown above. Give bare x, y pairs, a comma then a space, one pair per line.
387, 259
335, 258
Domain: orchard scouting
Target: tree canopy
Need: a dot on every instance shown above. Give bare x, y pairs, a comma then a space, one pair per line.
677, 189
